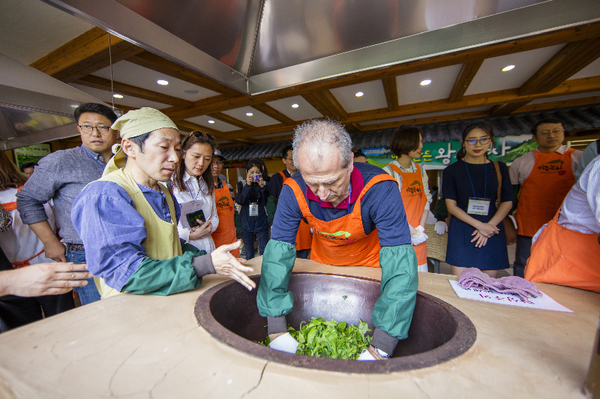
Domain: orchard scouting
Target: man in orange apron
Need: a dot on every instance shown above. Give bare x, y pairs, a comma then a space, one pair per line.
544, 177
304, 237
225, 232
567, 251
357, 218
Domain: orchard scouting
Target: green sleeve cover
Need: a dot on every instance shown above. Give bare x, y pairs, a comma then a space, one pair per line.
393, 310
165, 277
273, 298
271, 207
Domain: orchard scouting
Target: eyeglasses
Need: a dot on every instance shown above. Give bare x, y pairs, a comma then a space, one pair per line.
87, 129
218, 163
482, 141
547, 132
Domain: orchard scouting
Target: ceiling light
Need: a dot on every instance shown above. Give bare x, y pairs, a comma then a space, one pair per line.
295, 105
359, 94
191, 91
508, 68
211, 121
117, 95
249, 114
162, 82
425, 82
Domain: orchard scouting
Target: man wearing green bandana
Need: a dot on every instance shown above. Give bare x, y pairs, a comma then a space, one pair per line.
128, 219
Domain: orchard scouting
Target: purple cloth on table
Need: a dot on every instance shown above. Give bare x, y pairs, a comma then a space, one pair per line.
475, 278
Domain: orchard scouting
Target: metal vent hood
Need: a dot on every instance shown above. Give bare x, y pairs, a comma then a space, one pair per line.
35, 107
259, 46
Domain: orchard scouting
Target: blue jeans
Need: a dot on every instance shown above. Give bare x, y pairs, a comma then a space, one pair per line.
248, 237
89, 293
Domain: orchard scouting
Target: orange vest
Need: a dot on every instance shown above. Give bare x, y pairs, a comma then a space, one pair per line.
414, 200
225, 232
304, 236
543, 191
565, 257
342, 242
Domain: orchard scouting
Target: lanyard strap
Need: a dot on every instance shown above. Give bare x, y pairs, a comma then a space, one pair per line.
472, 186
93, 157
349, 198
194, 197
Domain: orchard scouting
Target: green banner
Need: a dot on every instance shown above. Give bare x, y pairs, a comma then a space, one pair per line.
440, 154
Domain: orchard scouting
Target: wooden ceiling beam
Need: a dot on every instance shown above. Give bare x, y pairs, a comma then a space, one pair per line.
125, 89
231, 120
159, 64
120, 51
273, 113
572, 58
507, 108
391, 92
464, 79
427, 119
477, 100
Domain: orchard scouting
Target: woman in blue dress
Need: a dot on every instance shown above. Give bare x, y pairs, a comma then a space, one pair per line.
476, 237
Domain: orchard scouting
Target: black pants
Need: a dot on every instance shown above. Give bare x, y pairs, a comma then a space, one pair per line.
522, 253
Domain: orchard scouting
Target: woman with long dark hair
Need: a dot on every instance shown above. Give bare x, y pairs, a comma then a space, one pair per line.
476, 237
252, 196
193, 188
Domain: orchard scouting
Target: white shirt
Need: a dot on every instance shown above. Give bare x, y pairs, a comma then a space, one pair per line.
20, 242
581, 208
199, 192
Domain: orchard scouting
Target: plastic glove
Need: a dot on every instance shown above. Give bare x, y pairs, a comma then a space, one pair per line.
367, 356
441, 227
420, 237
284, 343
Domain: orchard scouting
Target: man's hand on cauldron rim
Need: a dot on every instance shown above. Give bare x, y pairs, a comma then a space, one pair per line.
227, 265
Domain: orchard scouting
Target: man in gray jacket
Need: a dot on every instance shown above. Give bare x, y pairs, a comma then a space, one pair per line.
60, 176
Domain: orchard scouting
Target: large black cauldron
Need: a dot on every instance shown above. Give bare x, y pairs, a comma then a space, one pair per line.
439, 332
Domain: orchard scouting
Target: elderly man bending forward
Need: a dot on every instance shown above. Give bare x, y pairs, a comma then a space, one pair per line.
356, 213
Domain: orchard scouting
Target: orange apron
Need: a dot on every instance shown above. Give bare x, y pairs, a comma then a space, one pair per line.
544, 191
414, 200
342, 242
304, 236
225, 232
565, 257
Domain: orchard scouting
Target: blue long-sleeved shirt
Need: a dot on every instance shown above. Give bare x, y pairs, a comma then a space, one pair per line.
113, 231
59, 176
377, 209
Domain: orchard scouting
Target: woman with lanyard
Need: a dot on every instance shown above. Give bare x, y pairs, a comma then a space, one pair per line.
252, 196
476, 237
193, 188
407, 143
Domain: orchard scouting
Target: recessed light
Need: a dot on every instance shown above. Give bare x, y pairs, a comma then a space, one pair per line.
191, 91
117, 95
211, 121
162, 82
249, 114
508, 68
295, 105
359, 94
425, 82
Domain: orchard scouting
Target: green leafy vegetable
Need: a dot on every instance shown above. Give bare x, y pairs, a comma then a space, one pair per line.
330, 339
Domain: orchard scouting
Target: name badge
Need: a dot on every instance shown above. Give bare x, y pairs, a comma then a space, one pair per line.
479, 206
253, 211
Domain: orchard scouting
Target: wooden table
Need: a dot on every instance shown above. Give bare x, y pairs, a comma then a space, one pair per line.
152, 347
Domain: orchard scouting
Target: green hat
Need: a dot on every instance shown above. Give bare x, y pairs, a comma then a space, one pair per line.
135, 123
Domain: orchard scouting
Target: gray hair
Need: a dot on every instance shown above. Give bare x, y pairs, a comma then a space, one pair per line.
320, 134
